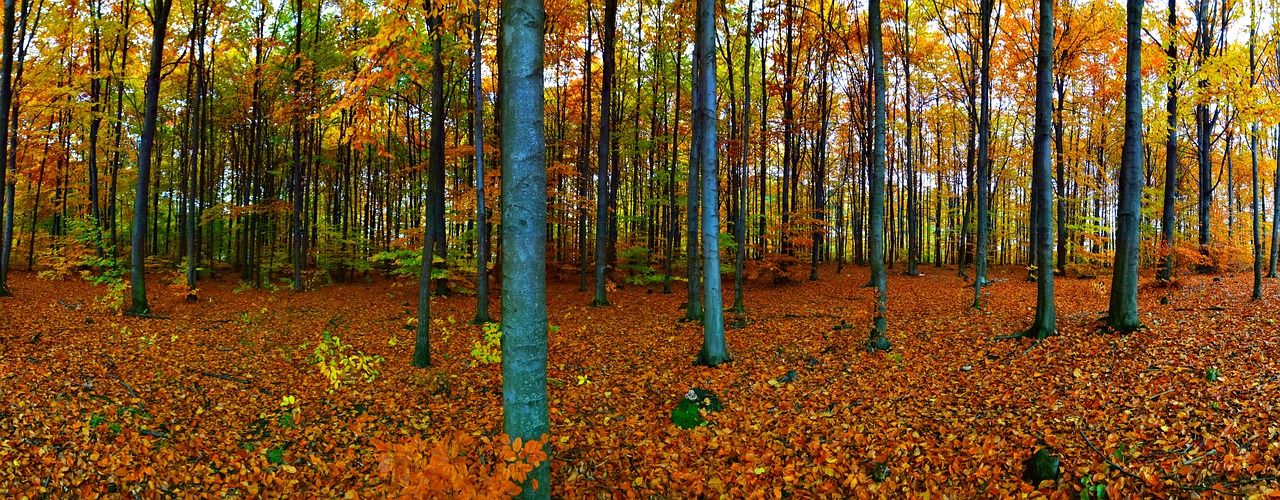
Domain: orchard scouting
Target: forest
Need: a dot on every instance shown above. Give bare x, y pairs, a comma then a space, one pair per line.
640, 248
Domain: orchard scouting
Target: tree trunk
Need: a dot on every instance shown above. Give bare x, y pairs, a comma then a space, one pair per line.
1123, 313
984, 161
482, 229
1168, 214
740, 230
693, 306
603, 191
524, 302
159, 25
714, 348
877, 339
1045, 323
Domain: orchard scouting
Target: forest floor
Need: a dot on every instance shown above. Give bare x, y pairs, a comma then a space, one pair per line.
221, 399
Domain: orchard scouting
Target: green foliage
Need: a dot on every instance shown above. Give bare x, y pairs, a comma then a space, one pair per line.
113, 300
638, 263
488, 349
275, 455
1092, 491
1212, 374
342, 368
685, 415
406, 262
334, 252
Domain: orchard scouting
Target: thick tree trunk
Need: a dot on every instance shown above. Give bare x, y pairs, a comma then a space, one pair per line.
524, 302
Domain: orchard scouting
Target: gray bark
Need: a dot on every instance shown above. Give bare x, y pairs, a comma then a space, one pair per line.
138, 254
877, 339
1045, 322
1123, 312
714, 348
524, 233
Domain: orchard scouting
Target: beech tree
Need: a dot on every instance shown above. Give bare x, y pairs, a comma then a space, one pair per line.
524, 235
1123, 312
159, 13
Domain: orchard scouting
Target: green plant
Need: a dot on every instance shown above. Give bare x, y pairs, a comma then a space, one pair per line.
685, 415
275, 456
488, 349
341, 367
1090, 490
1212, 374
113, 300
406, 262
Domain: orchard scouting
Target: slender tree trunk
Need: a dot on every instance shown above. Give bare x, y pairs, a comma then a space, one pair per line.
422, 340
1045, 322
877, 339
296, 175
1123, 312
435, 224
1253, 153
714, 348
913, 215
693, 306
984, 160
482, 227
603, 191
584, 152
1167, 219
740, 228
160, 23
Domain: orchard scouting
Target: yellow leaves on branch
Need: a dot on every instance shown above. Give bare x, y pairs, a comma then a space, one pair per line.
458, 465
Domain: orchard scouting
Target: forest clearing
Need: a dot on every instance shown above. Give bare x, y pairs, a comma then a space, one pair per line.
191, 405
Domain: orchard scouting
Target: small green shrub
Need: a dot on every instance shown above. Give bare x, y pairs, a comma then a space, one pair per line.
488, 349
341, 367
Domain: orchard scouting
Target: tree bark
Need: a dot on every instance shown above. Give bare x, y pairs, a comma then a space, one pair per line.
524, 303
877, 339
1123, 312
715, 350
138, 254
1045, 322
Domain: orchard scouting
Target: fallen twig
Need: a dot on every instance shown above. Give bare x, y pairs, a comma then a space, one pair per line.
1157, 396
226, 377
146, 316
1104, 456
